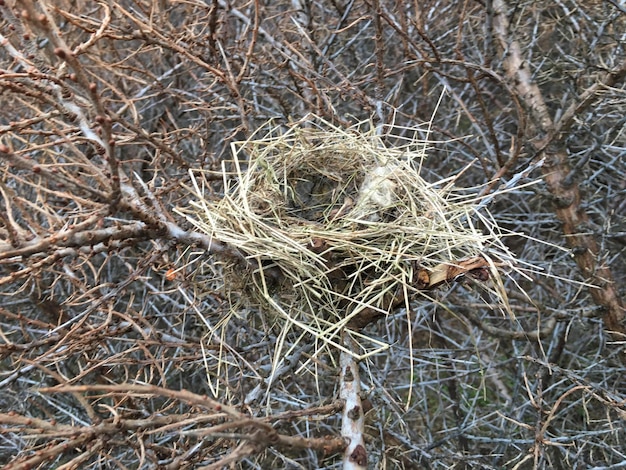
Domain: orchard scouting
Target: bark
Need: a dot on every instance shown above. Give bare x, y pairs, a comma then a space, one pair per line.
557, 172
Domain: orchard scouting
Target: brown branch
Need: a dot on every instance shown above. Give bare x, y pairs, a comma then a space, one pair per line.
50, 173
263, 436
49, 453
72, 238
557, 170
40, 19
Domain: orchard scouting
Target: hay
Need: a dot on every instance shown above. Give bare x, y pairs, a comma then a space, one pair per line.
338, 226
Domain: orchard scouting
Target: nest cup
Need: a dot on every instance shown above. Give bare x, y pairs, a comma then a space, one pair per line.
336, 224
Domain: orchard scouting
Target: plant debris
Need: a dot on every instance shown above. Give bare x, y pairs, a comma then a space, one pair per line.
340, 228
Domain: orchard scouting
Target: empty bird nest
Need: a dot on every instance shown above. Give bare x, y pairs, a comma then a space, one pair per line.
338, 228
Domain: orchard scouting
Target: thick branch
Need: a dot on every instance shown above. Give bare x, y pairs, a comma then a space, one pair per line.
557, 171
72, 238
353, 421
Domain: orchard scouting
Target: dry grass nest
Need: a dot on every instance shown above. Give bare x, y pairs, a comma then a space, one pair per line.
338, 227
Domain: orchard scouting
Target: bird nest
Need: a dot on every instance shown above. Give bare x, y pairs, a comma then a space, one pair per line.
338, 228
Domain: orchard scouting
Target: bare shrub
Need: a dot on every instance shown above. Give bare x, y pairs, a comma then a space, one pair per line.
114, 344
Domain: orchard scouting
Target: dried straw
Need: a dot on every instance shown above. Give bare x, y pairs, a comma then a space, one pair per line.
336, 222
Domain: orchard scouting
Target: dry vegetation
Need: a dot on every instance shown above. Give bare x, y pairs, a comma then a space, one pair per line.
126, 340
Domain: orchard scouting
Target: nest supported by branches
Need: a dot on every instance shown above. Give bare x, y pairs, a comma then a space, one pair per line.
338, 227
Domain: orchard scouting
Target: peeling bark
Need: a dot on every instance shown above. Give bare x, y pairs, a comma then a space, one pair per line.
557, 172
353, 421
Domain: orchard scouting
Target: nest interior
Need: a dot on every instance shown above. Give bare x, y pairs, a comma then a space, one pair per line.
338, 224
